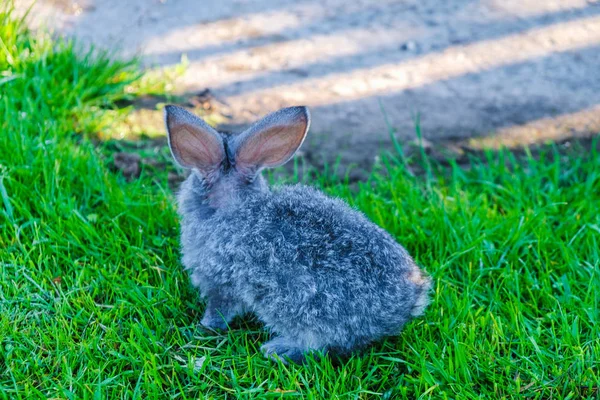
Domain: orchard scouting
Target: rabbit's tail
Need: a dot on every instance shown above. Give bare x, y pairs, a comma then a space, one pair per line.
423, 286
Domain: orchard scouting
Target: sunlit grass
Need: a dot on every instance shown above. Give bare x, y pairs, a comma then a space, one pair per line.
94, 303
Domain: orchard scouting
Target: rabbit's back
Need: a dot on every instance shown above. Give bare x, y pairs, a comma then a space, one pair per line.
307, 265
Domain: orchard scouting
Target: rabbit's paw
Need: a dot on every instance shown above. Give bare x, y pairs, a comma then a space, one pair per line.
213, 321
281, 348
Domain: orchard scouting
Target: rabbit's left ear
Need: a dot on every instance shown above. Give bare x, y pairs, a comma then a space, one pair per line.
193, 143
272, 141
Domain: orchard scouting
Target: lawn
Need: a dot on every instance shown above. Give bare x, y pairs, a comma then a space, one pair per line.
94, 303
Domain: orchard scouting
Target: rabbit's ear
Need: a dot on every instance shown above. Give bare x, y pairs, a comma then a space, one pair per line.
272, 141
193, 143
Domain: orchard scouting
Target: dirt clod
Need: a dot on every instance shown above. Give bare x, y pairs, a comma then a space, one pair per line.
128, 164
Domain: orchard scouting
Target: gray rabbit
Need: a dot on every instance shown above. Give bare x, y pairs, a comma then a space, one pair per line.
316, 272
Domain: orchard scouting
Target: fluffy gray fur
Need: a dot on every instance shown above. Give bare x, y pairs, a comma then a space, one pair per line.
316, 272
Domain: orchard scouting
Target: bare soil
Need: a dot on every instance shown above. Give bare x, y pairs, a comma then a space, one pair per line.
472, 73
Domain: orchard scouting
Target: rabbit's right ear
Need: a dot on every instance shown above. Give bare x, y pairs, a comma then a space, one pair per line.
193, 143
272, 141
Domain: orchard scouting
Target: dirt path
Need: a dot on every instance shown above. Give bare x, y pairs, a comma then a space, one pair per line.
511, 70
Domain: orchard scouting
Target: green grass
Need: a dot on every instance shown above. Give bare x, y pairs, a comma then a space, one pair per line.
94, 304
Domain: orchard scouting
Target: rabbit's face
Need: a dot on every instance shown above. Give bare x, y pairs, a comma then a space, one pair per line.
228, 167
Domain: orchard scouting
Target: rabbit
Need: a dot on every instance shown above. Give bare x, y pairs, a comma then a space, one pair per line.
316, 272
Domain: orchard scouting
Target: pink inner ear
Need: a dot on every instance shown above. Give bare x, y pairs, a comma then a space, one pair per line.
197, 149
270, 147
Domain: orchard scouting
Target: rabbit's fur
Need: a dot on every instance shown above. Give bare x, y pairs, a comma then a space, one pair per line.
316, 272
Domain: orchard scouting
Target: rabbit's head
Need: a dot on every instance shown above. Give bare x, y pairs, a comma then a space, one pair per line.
227, 168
